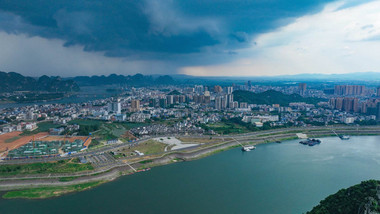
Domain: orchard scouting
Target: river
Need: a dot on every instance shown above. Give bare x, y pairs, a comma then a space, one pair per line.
284, 178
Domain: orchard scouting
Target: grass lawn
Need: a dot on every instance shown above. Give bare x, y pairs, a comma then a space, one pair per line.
148, 147
47, 192
197, 140
44, 168
10, 140
66, 179
129, 125
110, 131
217, 125
228, 128
87, 122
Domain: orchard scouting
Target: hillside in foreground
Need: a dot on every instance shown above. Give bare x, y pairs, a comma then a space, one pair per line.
363, 198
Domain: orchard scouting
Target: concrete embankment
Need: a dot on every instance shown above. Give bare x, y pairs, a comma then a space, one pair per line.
187, 156
31, 181
26, 184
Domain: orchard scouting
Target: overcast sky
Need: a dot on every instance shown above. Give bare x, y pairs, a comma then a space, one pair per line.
194, 37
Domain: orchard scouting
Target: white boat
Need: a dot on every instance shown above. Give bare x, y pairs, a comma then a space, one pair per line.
248, 148
345, 137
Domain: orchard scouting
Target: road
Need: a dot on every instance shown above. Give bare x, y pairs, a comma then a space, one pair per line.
237, 136
114, 168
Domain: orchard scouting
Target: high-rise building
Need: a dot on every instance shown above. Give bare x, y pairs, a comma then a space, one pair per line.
349, 90
170, 99
302, 88
163, 103
378, 91
230, 99
153, 102
249, 84
181, 98
198, 99
207, 99
363, 108
114, 107
135, 105
336, 103
176, 99
224, 102
243, 105
349, 104
218, 103
230, 90
199, 89
218, 89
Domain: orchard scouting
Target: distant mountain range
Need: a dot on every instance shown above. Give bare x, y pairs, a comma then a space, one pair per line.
135, 80
12, 81
361, 76
358, 76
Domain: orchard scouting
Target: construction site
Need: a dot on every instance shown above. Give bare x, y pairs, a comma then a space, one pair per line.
45, 145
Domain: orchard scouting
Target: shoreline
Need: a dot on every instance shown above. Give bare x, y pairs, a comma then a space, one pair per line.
28, 182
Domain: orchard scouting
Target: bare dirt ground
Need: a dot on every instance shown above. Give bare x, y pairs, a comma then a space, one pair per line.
22, 140
129, 135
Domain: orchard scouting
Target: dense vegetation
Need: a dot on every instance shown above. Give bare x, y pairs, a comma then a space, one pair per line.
85, 130
47, 192
62, 166
103, 129
357, 199
236, 125
271, 97
16, 82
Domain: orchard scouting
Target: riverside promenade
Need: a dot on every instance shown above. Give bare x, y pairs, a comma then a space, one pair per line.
125, 166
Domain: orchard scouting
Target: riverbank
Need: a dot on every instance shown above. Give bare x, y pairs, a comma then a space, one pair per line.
48, 192
27, 183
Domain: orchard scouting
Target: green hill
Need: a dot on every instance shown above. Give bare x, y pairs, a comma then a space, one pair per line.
134, 80
16, 82
359, 199
271, 97
174, 92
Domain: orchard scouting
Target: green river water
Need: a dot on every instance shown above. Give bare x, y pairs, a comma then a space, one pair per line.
284, 178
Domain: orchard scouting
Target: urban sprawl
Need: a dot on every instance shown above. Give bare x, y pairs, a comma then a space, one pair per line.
195, 110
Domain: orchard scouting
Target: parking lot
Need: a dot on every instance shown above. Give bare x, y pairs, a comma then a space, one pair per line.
101, 160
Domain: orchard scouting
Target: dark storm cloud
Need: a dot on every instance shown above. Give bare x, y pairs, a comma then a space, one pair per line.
151, 28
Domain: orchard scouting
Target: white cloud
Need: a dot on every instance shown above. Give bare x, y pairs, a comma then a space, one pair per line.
332, 41
35, 56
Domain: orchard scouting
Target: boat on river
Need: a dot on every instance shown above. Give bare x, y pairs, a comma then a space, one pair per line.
248, 148
310, 142
344, 137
